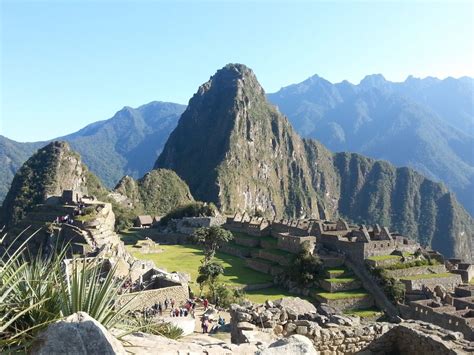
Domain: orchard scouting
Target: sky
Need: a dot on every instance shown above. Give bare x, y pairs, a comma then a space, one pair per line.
65, 64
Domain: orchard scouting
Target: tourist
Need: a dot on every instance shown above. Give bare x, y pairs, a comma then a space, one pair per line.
166, 303
205, 304
185, 312
176, 312
204, 325
160, 308
180, 312
172, 303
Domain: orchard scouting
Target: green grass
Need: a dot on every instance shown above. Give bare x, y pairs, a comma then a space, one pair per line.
472, 281
278, 252
426, 276
341, 279
187, 258
272, 293
343, 295
384, 257
363, 313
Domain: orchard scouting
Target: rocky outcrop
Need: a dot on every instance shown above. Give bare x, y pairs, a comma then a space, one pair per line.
77, 334
235, 149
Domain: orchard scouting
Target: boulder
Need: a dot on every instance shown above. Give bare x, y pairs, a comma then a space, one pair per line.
77, 334
327, 310
295, 344
296, 304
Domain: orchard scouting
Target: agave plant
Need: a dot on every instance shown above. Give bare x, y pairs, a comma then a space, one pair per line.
35, 291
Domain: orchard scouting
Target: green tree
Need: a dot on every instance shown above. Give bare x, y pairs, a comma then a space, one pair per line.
208, 274
305, 266
211, 238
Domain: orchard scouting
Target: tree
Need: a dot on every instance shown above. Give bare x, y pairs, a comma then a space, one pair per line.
211, 238
305, 267
208, 273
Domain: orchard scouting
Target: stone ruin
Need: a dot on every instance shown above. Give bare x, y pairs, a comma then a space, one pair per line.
333, 333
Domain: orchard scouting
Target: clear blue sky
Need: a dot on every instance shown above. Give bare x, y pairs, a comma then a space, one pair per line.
65, 64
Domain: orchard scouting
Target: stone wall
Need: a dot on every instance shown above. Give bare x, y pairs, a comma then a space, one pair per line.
444, 316
348, 303
337, 334
418, 270
294, 244
187, 225
334, 286
449, 283
247, 242
283, 260
234, 250
143, 299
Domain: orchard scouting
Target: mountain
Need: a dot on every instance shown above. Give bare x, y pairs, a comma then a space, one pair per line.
52, 169
426, 124
235, 149
126, 144
12, 156
156, 193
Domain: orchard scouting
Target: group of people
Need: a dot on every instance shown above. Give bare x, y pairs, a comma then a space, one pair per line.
64, 219
208, 325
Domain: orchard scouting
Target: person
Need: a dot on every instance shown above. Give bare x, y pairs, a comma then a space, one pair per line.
221, 321
166, 303
204, 325
172, 303
160, 308
205, 304
176, 312
180, 312
185, 312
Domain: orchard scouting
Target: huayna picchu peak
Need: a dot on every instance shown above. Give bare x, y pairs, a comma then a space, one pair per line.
232, 147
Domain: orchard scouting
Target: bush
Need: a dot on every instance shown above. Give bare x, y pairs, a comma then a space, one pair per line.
304, 268
194, 209
225, 295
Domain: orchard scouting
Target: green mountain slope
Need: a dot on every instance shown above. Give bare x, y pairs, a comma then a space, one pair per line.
235, 149
47, 173
426, 124
157, 193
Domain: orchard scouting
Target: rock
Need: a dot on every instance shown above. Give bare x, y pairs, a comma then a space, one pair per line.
243, 317
327, 310
245, 326
269, 304
302, 330
283, 316
297, 305
295, 344
278, 329
290, 327
77, 334
454, 336
331, 325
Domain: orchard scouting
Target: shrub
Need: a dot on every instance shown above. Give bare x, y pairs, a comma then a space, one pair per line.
194, 209
304, 268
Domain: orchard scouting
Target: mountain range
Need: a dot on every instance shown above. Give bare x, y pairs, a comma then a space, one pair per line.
426, 124
232, 147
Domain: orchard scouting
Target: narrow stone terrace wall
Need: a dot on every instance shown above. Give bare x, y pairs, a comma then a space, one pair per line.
143, 299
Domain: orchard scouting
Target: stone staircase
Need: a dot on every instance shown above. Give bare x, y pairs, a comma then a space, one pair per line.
371, 284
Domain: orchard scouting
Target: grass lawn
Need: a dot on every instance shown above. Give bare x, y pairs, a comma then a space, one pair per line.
343, 295
384, 257
187, 258
363, 313
341, 279
272, 293
426, 276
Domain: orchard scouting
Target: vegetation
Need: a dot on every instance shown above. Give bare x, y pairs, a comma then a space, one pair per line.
394, 289
414, 263
35, 292
305, 267
427, 276
342, 295
384, 257
187, 258
208, 274
364, 313
193, 209
211, 238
